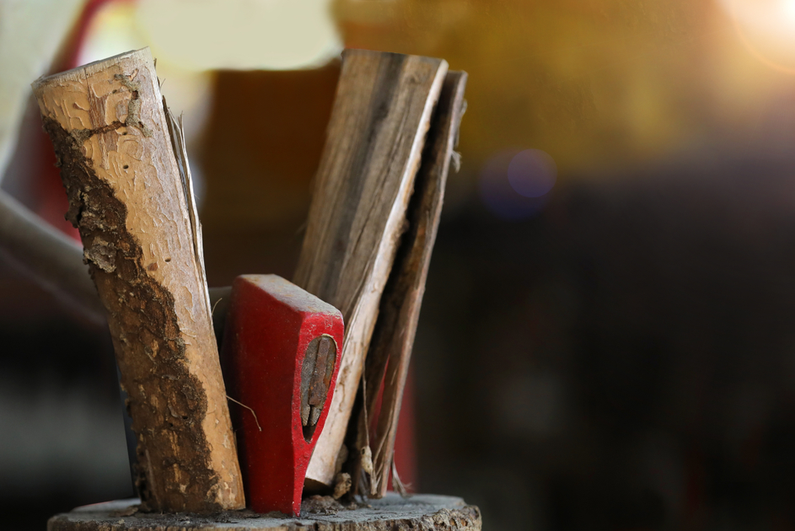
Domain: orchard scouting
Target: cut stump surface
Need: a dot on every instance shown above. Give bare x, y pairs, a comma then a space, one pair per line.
419, 513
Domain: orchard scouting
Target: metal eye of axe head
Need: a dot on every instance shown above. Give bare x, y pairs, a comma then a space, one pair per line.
280, 356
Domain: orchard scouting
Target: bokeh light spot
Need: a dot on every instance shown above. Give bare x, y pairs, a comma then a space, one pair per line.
501, 197
532, 173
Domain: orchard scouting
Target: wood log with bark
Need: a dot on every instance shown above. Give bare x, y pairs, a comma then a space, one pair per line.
127, 197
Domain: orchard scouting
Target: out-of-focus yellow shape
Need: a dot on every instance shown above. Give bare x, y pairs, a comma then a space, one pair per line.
602, 85
112, 31
116, 29
240, 34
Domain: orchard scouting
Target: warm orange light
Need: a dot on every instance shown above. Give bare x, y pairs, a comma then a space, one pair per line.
767, 29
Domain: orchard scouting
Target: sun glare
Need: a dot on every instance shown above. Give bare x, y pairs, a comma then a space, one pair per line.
788, 8
767, 30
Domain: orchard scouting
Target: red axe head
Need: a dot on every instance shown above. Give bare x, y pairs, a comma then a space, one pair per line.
280, 353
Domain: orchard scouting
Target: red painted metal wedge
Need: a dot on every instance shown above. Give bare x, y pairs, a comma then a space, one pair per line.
280, 353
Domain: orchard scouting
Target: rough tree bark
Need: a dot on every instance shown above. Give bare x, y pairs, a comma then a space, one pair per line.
108, 125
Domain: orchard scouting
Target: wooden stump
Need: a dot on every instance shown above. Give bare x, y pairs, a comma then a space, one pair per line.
420, 513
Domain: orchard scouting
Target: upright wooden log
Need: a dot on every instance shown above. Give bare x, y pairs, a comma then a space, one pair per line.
109, 129
373, 148
390, 348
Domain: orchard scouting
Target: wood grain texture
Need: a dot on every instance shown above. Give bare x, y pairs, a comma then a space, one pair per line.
422, 512
390, 348
109, 130
374, 144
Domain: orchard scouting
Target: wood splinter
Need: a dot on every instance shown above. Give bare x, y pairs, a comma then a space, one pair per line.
127, 198
387, 362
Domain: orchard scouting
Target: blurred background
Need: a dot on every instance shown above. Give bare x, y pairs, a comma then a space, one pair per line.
607, 336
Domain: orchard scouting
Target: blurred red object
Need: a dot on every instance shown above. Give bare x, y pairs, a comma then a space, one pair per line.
52, 200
